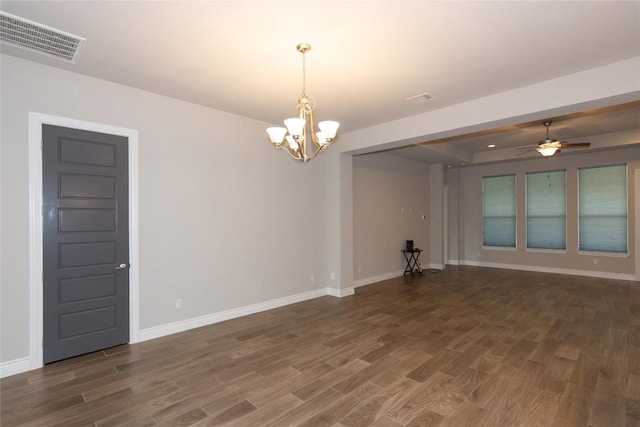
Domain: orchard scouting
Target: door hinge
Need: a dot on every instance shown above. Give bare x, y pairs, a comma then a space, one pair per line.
41, 144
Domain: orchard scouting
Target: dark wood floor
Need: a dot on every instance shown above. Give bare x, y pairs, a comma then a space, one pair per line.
465, 347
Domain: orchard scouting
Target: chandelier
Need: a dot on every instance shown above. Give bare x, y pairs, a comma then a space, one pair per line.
299, 131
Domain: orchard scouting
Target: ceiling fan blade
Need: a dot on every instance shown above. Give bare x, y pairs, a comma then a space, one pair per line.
575, 144
524, 150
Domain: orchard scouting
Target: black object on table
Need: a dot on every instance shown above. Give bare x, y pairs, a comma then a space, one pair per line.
412, 256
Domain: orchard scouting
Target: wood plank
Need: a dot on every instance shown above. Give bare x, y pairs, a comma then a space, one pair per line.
375, 407
557, 374
541, 410
573, 409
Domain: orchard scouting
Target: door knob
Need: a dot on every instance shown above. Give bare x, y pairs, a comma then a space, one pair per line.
122, 267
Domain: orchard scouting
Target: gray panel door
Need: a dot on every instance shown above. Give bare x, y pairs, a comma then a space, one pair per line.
86, 242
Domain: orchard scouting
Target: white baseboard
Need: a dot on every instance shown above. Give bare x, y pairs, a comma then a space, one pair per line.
340, 293
432, 266
24, 364
375, 279
398, 273
15, 366
572, 272
209, 319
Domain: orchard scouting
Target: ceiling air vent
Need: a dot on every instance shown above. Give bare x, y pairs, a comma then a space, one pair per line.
419, 99
38, 38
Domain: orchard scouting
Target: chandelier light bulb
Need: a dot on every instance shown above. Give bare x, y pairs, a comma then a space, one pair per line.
322, 139
292, 143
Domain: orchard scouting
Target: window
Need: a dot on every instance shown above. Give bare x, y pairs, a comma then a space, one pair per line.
499, 211
546, 210
602, 199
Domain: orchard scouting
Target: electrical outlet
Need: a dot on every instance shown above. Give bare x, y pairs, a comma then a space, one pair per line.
333, 276
313, 278
179, 303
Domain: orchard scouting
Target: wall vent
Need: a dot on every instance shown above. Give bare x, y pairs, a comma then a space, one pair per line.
38, 38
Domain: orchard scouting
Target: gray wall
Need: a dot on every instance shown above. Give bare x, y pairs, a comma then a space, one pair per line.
390, 196
469, 224
226, 220
384, 185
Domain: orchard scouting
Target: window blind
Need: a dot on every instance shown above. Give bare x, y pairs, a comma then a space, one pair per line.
499, 211
546, 210
602, 202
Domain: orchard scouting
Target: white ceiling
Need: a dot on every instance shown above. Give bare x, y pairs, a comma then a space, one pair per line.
366, 58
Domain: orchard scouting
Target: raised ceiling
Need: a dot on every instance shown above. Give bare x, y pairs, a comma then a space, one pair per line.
366, 57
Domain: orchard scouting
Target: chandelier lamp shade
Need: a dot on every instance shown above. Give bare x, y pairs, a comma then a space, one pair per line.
299, 137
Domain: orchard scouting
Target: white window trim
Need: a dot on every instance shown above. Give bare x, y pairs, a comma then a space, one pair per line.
546, 251
604, 254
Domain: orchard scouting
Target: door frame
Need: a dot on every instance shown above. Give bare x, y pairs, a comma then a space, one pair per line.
636, 245
36, 120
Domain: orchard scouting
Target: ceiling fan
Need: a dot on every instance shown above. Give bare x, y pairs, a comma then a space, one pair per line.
550, 146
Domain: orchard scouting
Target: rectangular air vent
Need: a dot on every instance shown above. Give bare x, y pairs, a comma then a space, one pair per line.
38, 38
419, 99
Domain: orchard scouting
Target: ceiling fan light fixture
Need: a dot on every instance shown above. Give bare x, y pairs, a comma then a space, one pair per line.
547, 151
548, 147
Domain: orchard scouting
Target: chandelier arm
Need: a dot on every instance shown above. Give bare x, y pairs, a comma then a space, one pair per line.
302, 113
292, 153
320, 149
314, 138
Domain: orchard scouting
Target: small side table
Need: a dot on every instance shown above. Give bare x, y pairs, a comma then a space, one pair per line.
413, 261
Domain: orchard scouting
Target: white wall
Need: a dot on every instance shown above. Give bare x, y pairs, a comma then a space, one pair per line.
225, 219
390, 196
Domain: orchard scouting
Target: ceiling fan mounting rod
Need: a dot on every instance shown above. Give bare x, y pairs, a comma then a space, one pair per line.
547, 123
